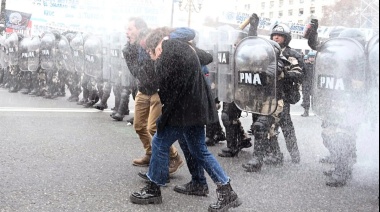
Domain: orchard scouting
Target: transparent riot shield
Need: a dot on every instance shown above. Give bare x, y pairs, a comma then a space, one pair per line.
66, 54
13, 49
255, 85
93, 51
207, 42
372, 51
78, 52
115, 55
106, 57
49, 52
34, 54
3, 64
127, 80
228, 38
339, 80
23, 53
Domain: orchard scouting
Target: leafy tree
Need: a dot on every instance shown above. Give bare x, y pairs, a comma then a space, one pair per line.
342, 13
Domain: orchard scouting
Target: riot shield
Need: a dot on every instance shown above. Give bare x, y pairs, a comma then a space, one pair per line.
93, 58
49, 52
66, 54
207, 42
34, 54
339, 80
106, 57
372, 51
255, 88
127, 80
23, 50
228, 38
78, 52
13, 49
115, 55
3, 64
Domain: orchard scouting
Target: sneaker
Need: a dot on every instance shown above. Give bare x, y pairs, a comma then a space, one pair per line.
142, 162
192, 189
175, 164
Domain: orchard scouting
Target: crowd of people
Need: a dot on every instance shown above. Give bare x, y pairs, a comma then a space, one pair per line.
164, 71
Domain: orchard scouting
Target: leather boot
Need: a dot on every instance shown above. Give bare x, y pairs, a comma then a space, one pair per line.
212, 141
192, 188
227, 199
175, 164
123, 107
150, 194
142, 162
275, 156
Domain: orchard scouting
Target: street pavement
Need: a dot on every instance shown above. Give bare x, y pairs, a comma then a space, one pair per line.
58, 156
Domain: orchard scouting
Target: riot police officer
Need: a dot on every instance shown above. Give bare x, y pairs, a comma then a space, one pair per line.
307, 82
14, 70
339, 92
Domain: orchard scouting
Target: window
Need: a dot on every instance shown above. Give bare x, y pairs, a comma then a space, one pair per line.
290, 2
280, 13
312, 10
300, 21
271, 4
302, 1
281, 3
262, 14
300, 12
290, 13
271, 15
263, 5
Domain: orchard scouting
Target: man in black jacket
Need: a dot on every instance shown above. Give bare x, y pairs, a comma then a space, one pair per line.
147, 101
188, 105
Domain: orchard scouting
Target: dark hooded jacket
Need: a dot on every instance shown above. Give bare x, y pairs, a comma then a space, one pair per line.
186, 98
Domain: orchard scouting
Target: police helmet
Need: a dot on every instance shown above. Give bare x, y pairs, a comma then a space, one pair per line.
312, 54
282, 29
336, 31
305, 57
354, 34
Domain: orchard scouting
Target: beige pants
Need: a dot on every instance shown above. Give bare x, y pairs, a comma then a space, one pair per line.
147, 110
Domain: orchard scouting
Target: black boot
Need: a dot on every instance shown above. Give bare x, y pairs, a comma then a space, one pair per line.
192, 188
123, 109
150, 194
220, 136
255, 164
232, 136
227, 199
305, 113
275, 157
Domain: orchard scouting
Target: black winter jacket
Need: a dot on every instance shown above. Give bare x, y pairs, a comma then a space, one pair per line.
186, 98
142, 68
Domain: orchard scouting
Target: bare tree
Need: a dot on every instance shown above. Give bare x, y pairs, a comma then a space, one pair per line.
343, 13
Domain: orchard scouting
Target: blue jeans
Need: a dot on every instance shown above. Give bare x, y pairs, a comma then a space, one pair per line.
198, 158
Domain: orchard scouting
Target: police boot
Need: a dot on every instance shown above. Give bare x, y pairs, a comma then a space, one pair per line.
123, 107
244, 139
305, 113
275, 157
150, 194
255, 164
93, 100
214, 134
227, 198
232, 137
102, 105
86, 95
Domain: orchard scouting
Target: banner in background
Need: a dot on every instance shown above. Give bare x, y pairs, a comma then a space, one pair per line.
16, 20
